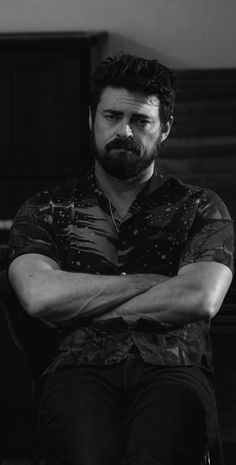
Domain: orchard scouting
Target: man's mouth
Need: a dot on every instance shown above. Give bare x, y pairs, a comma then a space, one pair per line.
123, 150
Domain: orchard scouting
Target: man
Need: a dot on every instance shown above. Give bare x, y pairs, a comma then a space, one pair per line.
128, 266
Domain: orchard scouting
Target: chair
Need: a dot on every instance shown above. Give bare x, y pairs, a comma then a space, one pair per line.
27, 334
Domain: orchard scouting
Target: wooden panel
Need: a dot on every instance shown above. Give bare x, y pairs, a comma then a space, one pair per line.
45, 125
44, 96
206, 84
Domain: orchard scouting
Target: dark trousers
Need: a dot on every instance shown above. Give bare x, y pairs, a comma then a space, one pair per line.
131, 413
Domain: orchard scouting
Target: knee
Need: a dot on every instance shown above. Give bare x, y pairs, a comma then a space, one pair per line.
160, 456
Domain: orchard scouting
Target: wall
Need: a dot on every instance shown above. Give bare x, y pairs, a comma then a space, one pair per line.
182, 33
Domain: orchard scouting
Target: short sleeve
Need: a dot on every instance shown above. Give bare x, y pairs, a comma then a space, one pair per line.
32, 230
212, 233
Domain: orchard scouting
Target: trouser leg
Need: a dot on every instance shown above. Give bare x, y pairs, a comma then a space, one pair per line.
81, 418
168, 416
171, 417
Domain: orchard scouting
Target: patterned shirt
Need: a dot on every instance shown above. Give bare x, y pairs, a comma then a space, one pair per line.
169, 225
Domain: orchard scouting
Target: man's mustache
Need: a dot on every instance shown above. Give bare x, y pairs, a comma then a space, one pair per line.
123, 144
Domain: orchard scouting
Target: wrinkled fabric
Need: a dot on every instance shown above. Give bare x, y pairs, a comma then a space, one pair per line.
131, 413
113, 341
169, 225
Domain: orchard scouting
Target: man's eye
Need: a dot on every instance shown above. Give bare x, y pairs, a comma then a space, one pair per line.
142, 121
110, 116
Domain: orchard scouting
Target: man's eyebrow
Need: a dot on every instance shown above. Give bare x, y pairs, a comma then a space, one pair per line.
142, 115
114, 112
135, 115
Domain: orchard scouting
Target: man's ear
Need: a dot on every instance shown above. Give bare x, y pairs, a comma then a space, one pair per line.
90, 119
166, 129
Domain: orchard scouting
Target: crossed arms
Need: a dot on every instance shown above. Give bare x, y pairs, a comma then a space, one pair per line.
46, 292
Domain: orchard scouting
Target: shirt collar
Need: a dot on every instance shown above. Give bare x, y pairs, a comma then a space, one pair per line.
88, 184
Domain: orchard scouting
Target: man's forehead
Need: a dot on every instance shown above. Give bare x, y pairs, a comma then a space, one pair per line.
120, 97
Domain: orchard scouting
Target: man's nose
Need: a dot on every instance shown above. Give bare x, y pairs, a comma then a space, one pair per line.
124, 129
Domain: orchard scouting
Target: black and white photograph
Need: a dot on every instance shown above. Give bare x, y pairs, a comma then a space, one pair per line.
117, 220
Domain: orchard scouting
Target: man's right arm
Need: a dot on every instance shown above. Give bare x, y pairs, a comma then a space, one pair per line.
47, 292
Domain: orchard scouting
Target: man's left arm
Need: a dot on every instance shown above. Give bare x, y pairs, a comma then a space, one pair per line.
198, 289
195, 293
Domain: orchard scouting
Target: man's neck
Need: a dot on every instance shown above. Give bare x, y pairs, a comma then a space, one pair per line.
121, 192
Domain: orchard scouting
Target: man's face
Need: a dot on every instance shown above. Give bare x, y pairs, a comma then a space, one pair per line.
127, 132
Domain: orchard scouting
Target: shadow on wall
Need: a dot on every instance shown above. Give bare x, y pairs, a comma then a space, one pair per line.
117, 43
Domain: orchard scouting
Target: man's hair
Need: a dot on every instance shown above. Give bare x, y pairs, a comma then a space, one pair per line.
135, 74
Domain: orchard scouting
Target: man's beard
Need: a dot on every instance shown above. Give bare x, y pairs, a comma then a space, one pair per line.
123, 158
